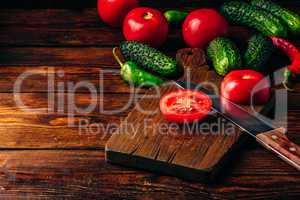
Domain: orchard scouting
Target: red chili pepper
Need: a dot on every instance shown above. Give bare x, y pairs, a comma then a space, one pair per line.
294, 55
295, 66
285, 46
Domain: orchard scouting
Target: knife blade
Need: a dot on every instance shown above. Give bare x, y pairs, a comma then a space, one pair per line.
272, 138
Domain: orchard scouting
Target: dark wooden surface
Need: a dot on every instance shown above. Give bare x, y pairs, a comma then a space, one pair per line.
41, 157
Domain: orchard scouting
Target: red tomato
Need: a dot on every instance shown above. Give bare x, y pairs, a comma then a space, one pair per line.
113, 12
146, 25
202, 26
244, 86
185, 106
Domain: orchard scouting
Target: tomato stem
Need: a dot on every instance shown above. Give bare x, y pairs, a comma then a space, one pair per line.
148, 15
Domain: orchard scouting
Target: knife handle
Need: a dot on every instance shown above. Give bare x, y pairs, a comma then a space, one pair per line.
277, 142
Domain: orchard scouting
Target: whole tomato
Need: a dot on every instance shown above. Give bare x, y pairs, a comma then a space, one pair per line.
203, 25
113, 12
146, 25
245, 87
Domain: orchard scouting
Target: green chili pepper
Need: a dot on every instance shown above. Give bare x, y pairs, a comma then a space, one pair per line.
135, 75
175, 17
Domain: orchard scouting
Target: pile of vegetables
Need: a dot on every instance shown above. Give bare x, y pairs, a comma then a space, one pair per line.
274, 22
147, 28
148, 66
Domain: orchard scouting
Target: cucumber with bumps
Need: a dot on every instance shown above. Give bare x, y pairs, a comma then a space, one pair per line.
224, 55
258, 52
291, 19
150, 59
243, 13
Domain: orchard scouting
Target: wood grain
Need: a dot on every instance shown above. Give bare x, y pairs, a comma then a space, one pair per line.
23, 126
56, 56
80, 28
57, 174
60, 128
63, 79
29, 4
110, 82
41, 103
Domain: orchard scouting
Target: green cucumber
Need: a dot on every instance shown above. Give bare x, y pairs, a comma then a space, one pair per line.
175, 17
224, 55
245, 14
133, 74
291, 19
258, 52
150, 59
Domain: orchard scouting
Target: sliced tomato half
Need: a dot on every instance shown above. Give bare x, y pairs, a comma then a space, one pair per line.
185, 106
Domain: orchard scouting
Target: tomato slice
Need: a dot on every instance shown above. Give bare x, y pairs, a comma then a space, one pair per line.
185, 106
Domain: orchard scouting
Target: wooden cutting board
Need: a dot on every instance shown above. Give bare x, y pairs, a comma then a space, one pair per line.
145, 140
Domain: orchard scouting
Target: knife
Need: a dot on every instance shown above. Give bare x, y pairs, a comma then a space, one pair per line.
272, 138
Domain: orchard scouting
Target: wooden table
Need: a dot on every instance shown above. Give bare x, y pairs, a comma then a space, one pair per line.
43, 157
